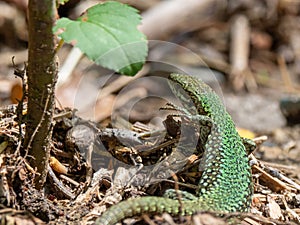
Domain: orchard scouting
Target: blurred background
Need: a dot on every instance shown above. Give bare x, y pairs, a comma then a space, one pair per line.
250, 48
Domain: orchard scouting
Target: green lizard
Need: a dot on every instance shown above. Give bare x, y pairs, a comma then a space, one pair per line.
226, 182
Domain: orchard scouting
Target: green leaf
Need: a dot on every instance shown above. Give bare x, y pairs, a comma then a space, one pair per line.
107, 33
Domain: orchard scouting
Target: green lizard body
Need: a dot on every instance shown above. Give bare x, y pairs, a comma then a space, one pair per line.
226, 183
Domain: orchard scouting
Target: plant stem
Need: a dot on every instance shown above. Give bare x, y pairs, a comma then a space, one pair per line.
42, 76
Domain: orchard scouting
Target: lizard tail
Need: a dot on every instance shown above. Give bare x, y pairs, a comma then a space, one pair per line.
138, 206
